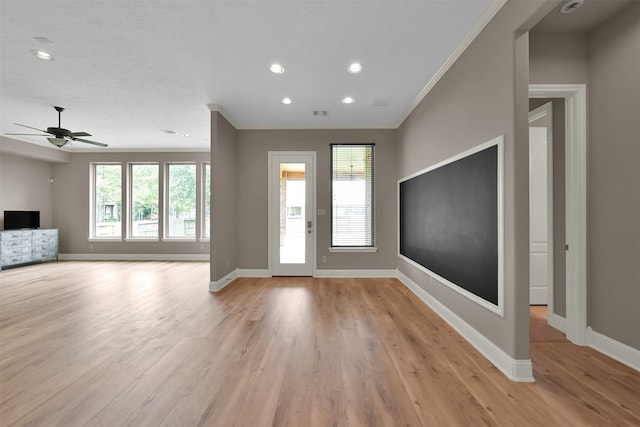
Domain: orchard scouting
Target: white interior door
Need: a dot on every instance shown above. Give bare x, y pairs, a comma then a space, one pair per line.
292, 213
540, 206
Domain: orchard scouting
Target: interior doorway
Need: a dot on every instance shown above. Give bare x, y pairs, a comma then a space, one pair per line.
574, 323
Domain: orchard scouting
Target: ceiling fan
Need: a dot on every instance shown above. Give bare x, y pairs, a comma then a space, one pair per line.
61, 137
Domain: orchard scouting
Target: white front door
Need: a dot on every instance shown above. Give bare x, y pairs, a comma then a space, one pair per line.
292, 213
540, 206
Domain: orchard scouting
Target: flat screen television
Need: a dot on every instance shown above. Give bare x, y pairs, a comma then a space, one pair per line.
16, 220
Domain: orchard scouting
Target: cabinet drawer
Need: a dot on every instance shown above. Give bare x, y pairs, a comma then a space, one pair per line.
42, 246
44, 235
12, 236
40, 240
15, 250
47, 233
41, 256
15, 259
6, 244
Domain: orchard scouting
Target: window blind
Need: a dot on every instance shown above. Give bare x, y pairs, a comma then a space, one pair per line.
352, 223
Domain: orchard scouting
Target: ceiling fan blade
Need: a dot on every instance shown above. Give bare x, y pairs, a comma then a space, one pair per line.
31, 127
76, 134
100, 144
29, 134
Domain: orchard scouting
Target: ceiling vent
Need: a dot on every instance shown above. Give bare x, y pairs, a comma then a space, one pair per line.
322, 113
381, 102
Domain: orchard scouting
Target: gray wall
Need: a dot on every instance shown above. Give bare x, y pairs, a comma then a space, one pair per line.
252, 169
483, 95
557, 58
72, 197
608, 61
613, 183
224, 196
24, 185
559, 226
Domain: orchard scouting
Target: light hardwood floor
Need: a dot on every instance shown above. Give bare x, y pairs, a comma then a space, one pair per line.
116, 343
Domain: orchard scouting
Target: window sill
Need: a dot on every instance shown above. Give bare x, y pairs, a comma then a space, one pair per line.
179, 240
105, 239
140, 239
205, 240
354, 249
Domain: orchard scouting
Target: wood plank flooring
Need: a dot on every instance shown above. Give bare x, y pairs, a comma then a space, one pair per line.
145, 344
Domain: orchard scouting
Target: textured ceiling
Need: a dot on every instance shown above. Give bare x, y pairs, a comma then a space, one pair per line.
127, 71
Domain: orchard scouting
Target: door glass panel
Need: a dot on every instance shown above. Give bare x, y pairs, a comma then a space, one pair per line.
292, 213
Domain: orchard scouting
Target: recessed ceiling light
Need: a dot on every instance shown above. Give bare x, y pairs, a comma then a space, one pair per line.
186, 135
42, 55
286, 101
348, 100
354, 68
276, 68
571, 5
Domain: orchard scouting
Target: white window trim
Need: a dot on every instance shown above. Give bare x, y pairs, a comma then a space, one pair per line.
105, 239
179, 239
353, 249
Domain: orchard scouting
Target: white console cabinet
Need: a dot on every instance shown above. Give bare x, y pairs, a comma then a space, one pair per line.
27, 246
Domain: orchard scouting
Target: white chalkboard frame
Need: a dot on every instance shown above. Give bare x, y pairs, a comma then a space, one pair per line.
496, 308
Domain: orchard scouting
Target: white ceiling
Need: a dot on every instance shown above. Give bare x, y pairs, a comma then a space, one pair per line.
127, 71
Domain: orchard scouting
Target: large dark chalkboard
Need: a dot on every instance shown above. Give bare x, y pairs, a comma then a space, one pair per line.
449, 221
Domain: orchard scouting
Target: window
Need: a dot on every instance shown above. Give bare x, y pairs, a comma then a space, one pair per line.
352, 195
180, 218
143, 206
206, 205
107, 201
178, 196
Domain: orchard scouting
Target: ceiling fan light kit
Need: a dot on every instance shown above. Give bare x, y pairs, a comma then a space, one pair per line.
58, 142
61, 136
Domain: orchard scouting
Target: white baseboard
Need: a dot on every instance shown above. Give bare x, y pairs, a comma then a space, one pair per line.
614, 349
246, 272
326, 273
357, 274
515, 370
558, 322
220, 284
134, 257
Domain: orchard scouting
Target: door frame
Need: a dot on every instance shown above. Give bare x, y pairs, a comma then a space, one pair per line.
575, 97
275, 234
546, 110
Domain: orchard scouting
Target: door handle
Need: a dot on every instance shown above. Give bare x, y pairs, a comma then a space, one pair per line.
309, 226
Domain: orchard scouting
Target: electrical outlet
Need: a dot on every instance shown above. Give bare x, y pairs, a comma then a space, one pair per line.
324, 259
